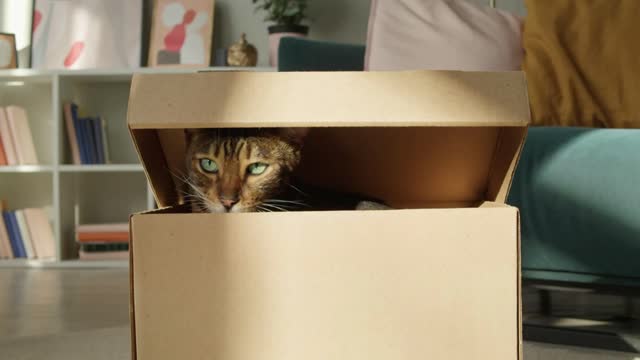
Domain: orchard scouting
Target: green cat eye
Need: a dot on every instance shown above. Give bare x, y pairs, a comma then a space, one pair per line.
209, 166
257, 168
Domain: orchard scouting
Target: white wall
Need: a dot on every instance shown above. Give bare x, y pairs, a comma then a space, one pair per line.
335, 20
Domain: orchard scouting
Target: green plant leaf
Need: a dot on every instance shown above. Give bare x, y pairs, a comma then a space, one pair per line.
283, 12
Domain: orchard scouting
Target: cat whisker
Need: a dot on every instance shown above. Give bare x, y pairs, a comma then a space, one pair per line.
262, 209
273, 207
282, 207
287, 202
298, 190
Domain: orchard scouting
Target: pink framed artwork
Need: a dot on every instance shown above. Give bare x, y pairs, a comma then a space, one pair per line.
81, 34
181, 33
8, 55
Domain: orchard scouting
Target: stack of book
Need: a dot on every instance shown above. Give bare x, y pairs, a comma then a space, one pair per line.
103, 241
26, 234
16, 141
87, 137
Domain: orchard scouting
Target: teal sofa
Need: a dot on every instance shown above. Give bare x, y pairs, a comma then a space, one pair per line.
578, 190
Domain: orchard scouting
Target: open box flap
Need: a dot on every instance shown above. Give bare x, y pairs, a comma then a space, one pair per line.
409, 138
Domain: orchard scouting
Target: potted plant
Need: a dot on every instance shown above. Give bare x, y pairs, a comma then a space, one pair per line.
286, 16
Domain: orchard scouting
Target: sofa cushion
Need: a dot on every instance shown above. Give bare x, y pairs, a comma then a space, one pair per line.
441, 35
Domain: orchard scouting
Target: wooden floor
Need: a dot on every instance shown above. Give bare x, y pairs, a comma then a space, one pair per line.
66, 314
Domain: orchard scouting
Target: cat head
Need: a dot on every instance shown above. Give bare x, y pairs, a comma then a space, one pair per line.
238, 170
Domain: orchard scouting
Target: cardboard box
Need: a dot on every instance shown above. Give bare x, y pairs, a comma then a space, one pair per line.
439, 279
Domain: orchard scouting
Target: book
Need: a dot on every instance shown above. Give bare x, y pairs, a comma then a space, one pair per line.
7, 139
103, 255
80, 135
105, 144
71, 132
104, 251
102, 237
3, 156
5, 246
97, 135
90, 140
25, 235
41, 232
14, 234
103, 233
107, 227
87, 137
105, 247
21, 134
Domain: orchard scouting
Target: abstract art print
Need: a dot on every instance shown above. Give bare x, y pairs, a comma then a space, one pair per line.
85, 34
181, 33
8, 55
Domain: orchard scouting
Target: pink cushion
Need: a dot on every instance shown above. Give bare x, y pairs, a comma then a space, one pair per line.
442, 35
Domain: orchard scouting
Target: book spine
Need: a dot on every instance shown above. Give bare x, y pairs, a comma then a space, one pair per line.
105, 143
22, 136
103, 255
97, 132
81, 136
104, 247
3, 156
106, 227
25, 234
91, 142
14, 234
71, 133
102, 237
40, 232
5, 244
7, 140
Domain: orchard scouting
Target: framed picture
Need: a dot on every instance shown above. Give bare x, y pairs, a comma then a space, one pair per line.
8, 52
181, 33
85, 34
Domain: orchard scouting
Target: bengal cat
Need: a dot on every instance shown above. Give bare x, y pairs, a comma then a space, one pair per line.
250, 170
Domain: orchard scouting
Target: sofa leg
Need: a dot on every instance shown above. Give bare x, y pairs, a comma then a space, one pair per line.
629, 307
545, 302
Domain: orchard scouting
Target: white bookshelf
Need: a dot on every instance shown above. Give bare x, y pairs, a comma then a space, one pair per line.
77, 193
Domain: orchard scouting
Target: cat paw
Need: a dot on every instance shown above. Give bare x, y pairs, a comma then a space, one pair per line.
371, 205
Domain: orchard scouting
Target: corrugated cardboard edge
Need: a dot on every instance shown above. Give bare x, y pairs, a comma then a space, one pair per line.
519, 345
519, 272
132, 306
504, 188
514, 167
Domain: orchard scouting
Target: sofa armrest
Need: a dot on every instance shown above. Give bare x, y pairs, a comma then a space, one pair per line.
578, 191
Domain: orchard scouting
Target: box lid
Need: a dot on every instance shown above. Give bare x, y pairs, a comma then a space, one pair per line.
411, 138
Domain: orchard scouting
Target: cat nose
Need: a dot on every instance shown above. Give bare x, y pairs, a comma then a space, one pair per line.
228, 203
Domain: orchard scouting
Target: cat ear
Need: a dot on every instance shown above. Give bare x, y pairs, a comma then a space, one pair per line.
295, 135
190, 133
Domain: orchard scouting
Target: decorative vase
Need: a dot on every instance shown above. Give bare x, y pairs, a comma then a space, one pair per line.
277, 32
242, 53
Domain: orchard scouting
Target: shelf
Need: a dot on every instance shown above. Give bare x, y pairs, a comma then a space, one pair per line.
26, 169
64, 264
17, 77
102, 168
116, 74
73, 193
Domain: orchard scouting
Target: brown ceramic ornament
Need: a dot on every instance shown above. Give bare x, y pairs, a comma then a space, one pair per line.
242, 53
